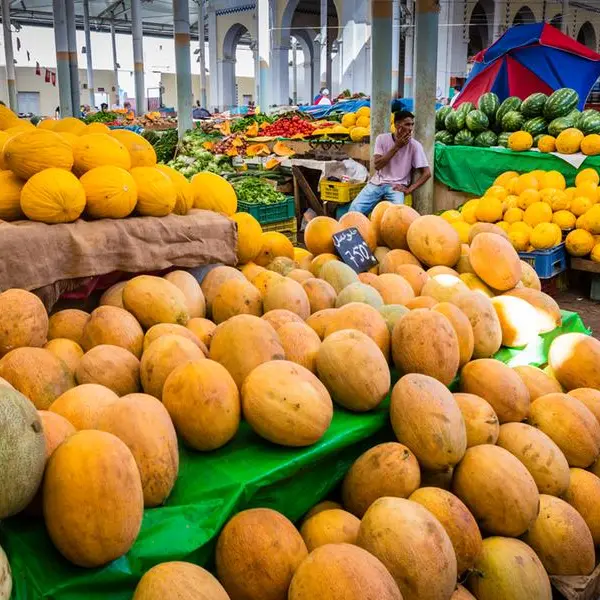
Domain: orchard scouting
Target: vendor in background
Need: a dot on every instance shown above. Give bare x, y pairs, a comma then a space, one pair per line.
397, 157
200, 113
323, 98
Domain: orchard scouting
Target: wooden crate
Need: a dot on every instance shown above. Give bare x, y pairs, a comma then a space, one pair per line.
578, 587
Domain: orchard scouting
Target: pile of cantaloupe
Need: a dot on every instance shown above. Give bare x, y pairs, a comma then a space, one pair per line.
535, 210
503, 472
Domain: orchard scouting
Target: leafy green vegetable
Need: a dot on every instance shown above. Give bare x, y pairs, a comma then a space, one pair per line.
102, 117
255, 191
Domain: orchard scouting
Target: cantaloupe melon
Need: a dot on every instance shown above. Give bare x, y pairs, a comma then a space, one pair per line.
394, 226
113, 296
274, 244
236, 297
354, 370
441, 270
84, 404
589, 396
113, 326
540, 455
154, 300
321, 295
364, 226
93, 499
320, 507
464, 265
359, 293
190, 288
258, 552
279, 317
23, 320
574, 358
415, 276
548, 311
22, 453
425, 568
163, 356
319, 261
204, 404
393, 288
303, 258
161, 329
68, 324
364, 318
537, 382
289, 295
495, 576
179, 579
388, 469
330, 527
424, 341
462, 328
495, 261
433, 241
338, 275
203, 329
570, 424
476, 285
317, 235
421, 302
244, 342
37, 373
251, 270
458, 522
380, 253
286, 404
212, 282
301, 344
426, 418
336, 571
582, 495
395, 259
518, 321
376, 216
392, 313
300, 275
480, 419
499, 385
265, 280
529, 278
110, 366
282, 265
497, 489
561, 539
320, 320
144, 424
487, 332
67, 351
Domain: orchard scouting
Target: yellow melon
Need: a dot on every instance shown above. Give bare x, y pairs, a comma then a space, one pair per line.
110, 366
10, 196
185, 198
279, 317
203, 329
161, 329
396, 258
321, 295
547, 310
433, 241
588, 396
213, 192
481, 421
110, 191
249, 237
582, 495
97, 150
537, 382
574, 359
68, 324
288, 295
23, 320
141, 151
443, 286
236, 297
84, 405
376, 216
301, 344
414, 275
273, 245
189, 286
320, 321
66, 350
394, 226
70, 125
518, 321
113, 296
495, 261
529, 278
156, 193
212, 282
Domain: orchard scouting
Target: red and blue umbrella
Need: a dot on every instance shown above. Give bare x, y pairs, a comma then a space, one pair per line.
528, 59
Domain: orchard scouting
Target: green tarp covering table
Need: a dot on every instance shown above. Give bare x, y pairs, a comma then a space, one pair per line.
473, 170
248, 472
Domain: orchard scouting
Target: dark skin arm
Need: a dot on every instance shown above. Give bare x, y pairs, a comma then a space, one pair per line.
424, 175
381, 160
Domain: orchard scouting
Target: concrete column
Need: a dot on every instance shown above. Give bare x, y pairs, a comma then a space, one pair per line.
215, 84
281, 73
316, 72
256, 63
88, 52
324, 45
565, 17
401, 52
381, 69
498, 25
395, 45
361, 72
227, 83
263, 29
202, 53
73, 66
409, 67
426, 28
295, 71
138, 56
113, 39
63, 74
11, 81
183, 65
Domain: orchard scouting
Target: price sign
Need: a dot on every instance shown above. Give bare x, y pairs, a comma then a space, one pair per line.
353, 250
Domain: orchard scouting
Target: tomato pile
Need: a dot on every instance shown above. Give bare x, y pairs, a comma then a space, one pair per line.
288, 127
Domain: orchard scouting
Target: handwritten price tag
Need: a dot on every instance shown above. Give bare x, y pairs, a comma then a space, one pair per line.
353, 250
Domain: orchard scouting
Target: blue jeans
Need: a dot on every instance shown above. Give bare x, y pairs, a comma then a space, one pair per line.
371, 194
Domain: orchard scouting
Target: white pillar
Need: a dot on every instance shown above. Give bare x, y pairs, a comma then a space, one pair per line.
88, 52
113, 39
201, 52
61, 43
499, 13
183, 66
213, 56
565, 17
227, 83
324, 59
263, 25
73, 67
295, 71
138, 56
11, 81
316, 69
281, 73
395, 45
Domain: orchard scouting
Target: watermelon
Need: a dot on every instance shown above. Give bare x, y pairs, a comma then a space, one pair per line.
477, 121
488, 104
536, 126
455, 121
512, 121
440, 117
557, 126
444, 137
464, 138
589, 122
561, 103
537, 138
510, 104
486, 139
465, 108
503, 139
533, 106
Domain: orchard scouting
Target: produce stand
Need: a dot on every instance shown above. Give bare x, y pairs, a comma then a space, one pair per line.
591, 267
42, 257
248, 472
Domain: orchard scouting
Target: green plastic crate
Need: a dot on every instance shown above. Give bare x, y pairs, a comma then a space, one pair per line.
270, 213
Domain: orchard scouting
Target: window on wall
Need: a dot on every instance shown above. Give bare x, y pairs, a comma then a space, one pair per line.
28, 102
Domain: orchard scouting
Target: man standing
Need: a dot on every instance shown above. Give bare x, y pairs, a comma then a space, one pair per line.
397, 157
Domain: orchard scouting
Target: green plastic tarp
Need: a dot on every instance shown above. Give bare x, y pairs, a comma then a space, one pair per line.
473, 170
212, 487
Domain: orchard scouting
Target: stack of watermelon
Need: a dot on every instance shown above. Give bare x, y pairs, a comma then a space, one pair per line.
492, 122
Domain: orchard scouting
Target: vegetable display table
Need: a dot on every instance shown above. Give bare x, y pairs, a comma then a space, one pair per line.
473, 170
248, 472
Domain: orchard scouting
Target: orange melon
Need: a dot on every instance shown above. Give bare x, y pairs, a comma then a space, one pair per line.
574, 358
68, 324
394, 226
481, 421
236, 297
588, 396
320, 320
462, 327
376, 217
279, 317
421, 302
23, 320
321, 295
113, 296
251, 270
537, 382
67, 351
433, 241
426, 418
317, 235
110, 366
389, 469
212, 282
393, 288
303, 258
190, 288
287, 295
301, 344
203, 329
300, 275
548, 311
273, 244
395, 259
415, 276
319, 261
204, 404
582, 495
84, 405
265, 280
495, 261
157, 331
364, 226
320, 507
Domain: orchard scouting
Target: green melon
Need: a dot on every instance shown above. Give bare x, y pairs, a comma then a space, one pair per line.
533, 106
22, 452
561, 103
488, 104
536, 126
464, 138
455, 121
512, 121
557, 126
476, 121
537, 138
440, 117
486, 139
444, 137
503, 139
510, 104
465, 108
589, 122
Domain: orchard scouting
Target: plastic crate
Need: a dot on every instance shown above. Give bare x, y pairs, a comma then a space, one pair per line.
270, 213
340, 191
289, 228
547, 263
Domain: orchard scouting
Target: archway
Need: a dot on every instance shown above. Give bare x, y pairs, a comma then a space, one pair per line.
305, 42
479, 29
231, 40
524, 15
587, 35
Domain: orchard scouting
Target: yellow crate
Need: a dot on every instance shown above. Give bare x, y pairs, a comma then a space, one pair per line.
289, 228
340, 191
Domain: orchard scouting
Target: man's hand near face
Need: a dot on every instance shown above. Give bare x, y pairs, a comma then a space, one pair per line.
402, 138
